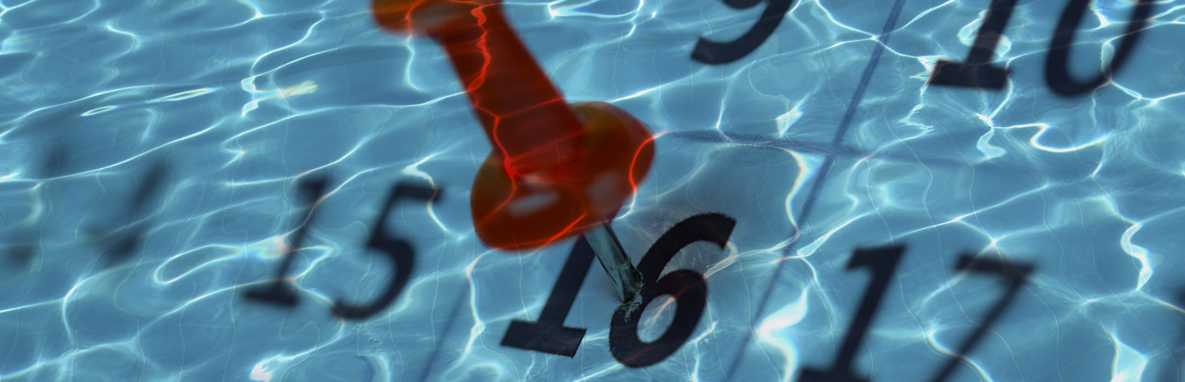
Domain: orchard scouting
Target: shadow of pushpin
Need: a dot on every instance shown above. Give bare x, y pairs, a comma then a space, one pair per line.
557, 170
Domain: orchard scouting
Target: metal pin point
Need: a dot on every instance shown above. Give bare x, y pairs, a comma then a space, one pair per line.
626, 278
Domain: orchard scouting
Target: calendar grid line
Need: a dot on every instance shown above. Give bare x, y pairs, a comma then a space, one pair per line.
448, 326
824, 169
806, 147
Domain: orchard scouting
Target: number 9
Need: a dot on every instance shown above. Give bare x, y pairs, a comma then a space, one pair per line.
718, 53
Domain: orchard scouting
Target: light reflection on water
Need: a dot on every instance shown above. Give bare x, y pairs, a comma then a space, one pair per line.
241, 98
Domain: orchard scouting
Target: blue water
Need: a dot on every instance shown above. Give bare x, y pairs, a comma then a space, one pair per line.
832, 115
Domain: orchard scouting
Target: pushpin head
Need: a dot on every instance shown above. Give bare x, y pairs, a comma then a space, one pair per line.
419, 16
525, 211
555, 170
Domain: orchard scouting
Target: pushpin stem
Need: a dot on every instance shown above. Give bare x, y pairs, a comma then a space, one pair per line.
626, 279
522, 113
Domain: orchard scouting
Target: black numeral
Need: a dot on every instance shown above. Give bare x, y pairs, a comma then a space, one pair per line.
24, 246
278, 292
882, 262
1057, 73
118, 246
398, 251
548, 334
1014, 275
712, 52
977, 71
687, 287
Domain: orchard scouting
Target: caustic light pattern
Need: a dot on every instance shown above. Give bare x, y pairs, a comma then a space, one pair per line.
905, 190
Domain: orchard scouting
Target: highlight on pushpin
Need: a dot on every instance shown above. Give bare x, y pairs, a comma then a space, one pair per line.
555, 170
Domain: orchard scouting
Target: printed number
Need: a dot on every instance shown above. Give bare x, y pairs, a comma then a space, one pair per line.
119, 246
1014, 275
687, 287
882, 262
278, 292
1172, 369
716, 53
549, 335
1057, 61
24, 240
977, 71
398, 251
402, 256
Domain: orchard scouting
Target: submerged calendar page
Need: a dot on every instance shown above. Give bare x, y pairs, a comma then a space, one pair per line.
839, 190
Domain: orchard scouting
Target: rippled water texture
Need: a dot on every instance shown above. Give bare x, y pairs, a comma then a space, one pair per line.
824, 140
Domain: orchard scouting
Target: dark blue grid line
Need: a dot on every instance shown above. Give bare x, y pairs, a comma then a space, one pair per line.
804, 146
808, 206
448, 326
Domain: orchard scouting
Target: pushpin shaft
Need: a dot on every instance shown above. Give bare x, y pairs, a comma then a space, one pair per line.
626, 279
522, 113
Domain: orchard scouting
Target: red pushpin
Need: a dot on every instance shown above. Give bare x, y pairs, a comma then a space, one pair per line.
556, 171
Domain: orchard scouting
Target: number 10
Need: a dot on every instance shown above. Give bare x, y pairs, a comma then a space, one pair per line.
977, 70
